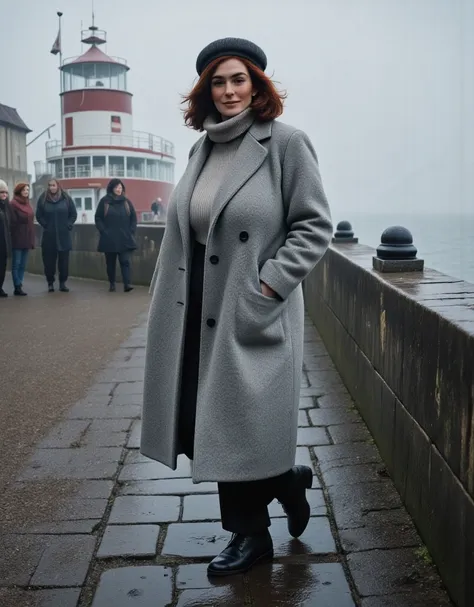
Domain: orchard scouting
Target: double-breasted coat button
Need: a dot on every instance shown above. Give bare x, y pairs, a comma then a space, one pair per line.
244, 236
214, 259
211, 322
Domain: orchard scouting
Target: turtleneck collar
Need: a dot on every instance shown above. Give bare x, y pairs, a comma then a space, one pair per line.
227, 130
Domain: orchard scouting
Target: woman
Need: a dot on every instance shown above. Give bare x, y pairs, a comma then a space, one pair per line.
56, 213
246, 224
5, 241
116, 221
22, 234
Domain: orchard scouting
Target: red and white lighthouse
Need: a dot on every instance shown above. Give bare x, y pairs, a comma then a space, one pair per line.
98, 141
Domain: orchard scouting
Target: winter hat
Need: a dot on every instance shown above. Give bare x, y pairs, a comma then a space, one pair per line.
232, 47
19, 187
3, 186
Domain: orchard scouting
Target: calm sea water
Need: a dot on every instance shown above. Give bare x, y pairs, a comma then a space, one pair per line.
445, 242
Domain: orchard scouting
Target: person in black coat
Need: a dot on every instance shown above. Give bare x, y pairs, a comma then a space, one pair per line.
5, 240
56, 213
116, 221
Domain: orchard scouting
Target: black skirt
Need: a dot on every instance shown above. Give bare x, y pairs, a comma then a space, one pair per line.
192, 340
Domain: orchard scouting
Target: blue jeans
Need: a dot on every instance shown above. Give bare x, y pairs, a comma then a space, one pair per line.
19, 258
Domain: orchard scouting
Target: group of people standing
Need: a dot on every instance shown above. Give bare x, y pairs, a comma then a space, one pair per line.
56, 212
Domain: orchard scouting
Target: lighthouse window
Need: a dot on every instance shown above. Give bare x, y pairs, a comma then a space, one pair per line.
152, 168
69, 167
117, 166
83, 166
98, 166
135, 167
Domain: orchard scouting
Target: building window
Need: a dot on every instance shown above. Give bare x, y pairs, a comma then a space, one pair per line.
57, 169
69, 168
78, 203
98, 166
152, 168
116, 124
69, 131
116, 166
135, 167
83, 166
87, 203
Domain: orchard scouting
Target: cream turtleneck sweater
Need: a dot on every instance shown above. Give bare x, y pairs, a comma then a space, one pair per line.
226, 137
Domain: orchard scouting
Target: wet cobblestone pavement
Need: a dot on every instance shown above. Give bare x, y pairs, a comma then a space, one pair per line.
134, 533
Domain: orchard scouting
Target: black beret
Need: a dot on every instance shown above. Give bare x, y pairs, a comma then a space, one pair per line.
234, 47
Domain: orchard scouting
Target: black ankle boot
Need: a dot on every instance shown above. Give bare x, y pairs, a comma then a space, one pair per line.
50, 287
19, 291
63, 288
112, 287
3, 294
242, 553
294, 502
127, 288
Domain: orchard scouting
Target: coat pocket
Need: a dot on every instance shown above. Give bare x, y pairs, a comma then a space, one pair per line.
259, 319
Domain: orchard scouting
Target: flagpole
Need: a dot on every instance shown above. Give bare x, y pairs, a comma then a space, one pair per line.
61, 81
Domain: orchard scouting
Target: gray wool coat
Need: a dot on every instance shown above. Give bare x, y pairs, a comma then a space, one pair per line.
270, 221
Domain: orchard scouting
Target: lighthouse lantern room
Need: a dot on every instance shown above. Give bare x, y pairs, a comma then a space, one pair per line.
97, 137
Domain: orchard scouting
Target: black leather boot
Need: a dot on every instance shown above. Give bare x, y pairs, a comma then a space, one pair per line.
242, 553
63, 288
50, 287
127, 288
3, 294
294, 501
112, 287
19, 291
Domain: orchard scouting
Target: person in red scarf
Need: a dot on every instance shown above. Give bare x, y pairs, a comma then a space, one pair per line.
22, 233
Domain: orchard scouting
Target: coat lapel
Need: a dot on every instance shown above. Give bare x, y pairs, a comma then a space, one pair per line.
186, 187
247, 161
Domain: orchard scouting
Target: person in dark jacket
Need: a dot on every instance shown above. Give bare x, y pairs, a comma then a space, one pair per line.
5, 240
22, 233
116, 221
56, 213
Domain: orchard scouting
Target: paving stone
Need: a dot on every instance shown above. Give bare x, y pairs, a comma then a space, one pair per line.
92, 411
107, 433
145, 509
335, 399
73, 463
138, 586
103, 388
133, 456
92, 489
172, 486
201, 508
135, 435
195, 576
135, 387
79, 508
64, 434
311, 391
65, 561
314, 349
344, 455
20, 557
302, 585
154, 471
352, 503
220, 595
426, 597
351, 475
85, 527
302, 419
122, 400
385, 529
303, 458
125, 364
125, 374
307, 402
129, 540
192, 540
58, 597
383, 572
332, 417
348, 433
317, 539
312, 436
319, 363
325, 379
315, 499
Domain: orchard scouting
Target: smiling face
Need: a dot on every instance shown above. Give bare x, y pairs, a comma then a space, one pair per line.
3, 194
118, 189
25, 191
231, 88
53, 186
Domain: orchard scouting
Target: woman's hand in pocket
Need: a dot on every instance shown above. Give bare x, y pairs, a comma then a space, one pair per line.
267, 291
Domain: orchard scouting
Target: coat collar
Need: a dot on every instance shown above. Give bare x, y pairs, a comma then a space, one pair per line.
248, 159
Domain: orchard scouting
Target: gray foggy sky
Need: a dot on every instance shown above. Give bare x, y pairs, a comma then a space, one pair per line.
384, 88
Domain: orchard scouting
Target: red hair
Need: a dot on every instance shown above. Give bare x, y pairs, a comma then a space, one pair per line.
267, 103
19, 187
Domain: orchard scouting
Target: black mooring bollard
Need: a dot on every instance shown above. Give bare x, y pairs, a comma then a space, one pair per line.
397, 253
344, 234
